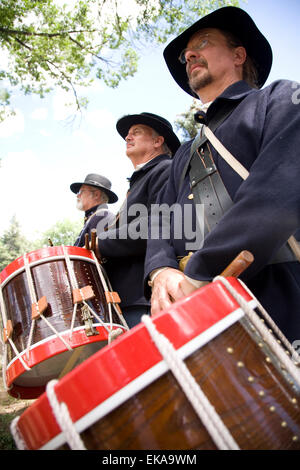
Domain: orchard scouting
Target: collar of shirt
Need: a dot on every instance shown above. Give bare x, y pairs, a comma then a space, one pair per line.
92, 210
138, 167
136, 171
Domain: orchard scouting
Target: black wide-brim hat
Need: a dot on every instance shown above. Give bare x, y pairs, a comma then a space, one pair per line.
158, 123
99, 182
240, 24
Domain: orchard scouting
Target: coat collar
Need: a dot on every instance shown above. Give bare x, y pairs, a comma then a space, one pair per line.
94, 209
235, 92
154, 161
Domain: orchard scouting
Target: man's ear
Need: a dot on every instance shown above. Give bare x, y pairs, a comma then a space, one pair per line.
240, 55
159, 141
98, 195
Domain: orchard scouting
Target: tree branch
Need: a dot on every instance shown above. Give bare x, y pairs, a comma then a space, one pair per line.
23, 44
49, 35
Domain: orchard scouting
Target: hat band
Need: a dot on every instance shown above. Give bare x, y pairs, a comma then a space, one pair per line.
96, 183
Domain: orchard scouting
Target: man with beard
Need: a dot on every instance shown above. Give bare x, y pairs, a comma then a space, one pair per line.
93, 195
224, 60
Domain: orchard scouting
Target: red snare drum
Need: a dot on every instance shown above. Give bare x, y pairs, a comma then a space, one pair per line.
124, 397
38, 347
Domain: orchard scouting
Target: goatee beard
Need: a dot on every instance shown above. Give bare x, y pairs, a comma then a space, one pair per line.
196, 83
79, 205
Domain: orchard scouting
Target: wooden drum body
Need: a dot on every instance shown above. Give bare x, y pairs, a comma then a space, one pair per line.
45, 321
125, 396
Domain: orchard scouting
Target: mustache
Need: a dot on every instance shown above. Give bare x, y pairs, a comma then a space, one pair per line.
200, 61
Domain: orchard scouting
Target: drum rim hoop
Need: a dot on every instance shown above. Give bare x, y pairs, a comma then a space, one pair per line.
38, 257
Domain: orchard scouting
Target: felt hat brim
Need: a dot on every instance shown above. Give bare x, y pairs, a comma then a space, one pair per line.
112, 197
234, 20
160, 125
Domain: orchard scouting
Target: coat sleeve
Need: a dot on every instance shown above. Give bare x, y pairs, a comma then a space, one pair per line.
130, 238
266, 209
160, 250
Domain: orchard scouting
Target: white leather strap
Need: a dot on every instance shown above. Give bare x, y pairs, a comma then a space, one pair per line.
228, 157
241, 170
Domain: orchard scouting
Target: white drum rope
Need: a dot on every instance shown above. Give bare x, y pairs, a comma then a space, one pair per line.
34, 301
56, 332
3, 345
204, 409
62, 416
108, 287
29, 280
72, 275
3, 308
26, 367
112, 333
29, 341
73, 320
273, 325
70, 270
263, 330
74, 283
92, 312
96, 316
4, 367
18, 438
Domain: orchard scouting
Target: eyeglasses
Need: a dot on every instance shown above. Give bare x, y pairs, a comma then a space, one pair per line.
84, 191
202, 45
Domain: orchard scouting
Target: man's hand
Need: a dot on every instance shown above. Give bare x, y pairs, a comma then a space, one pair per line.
169, 286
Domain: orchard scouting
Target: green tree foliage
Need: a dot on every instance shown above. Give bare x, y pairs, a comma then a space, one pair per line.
64, 232
56, 43
185, 123
12, 244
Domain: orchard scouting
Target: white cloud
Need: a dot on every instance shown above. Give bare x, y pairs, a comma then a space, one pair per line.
37, 191
4, 57
37, 194
100, 119
40, 114
84, 137
63, 105
45, 133
96, 87
12, 125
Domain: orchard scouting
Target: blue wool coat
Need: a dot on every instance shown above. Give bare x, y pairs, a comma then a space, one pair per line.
124, 246
92, 217
263, 133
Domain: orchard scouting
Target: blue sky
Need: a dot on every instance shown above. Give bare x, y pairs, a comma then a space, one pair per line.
42, 154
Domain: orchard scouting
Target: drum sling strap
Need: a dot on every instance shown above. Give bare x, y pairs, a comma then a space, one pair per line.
206, 183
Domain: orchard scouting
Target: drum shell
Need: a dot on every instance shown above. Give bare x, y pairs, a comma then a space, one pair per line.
242, 378
260, 414
51, 279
